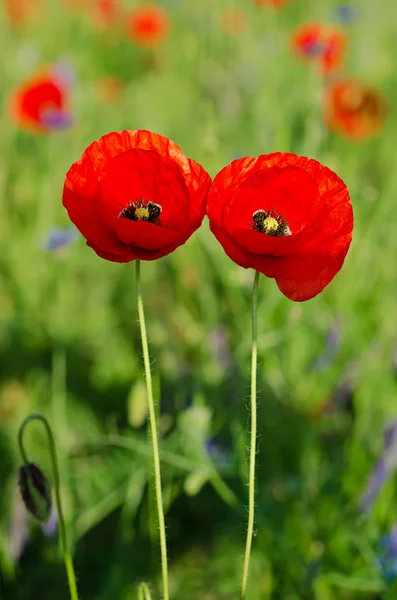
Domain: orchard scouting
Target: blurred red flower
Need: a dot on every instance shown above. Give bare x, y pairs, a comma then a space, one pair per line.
284, 215
322, 43
19, 12
40, 104
135, 195
275, 3
353, 109
149, 25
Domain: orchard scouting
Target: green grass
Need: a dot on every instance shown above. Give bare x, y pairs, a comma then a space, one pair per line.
70, 344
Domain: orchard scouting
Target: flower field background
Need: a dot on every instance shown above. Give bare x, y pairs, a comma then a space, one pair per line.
223, 80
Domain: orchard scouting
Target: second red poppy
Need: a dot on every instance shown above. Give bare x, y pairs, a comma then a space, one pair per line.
284, 215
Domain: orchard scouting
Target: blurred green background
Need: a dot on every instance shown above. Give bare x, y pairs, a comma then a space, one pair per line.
70, 343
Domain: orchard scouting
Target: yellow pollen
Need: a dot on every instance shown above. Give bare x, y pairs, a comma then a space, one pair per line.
142, 213
269, 225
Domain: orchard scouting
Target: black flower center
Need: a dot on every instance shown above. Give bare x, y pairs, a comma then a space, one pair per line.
270, 223
142, 210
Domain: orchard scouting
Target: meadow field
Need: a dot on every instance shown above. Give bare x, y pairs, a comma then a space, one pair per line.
224, 83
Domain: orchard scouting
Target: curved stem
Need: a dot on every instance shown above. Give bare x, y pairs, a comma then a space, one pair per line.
61, 521
251, 488
153, 427
144, 592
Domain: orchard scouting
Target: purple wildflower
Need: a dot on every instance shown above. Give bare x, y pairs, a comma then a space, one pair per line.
56, 119
383, 470
59, 237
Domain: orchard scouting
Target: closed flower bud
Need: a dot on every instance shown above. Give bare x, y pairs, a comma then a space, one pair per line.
35, 492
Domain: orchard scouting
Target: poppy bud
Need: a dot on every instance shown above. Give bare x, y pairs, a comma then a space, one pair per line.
35, 492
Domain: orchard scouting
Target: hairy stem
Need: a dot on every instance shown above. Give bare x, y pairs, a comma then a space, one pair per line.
251, 483
153, 428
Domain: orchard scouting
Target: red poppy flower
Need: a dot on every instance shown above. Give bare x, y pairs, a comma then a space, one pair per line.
41, 104
287, 216
327, 45
353, 109
275, 3
135, 195
149, 25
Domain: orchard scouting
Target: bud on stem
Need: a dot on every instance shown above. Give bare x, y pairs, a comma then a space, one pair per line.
35, 492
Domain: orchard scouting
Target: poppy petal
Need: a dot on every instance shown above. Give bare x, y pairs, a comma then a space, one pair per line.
319, 273
120, 258
280, 185
92, 228
143, 174
198, 183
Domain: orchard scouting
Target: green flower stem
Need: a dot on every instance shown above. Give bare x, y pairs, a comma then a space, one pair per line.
251, 488
60, 423
61, 521
153, 427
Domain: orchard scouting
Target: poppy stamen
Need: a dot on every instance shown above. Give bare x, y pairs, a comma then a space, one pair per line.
270, 223
142, 210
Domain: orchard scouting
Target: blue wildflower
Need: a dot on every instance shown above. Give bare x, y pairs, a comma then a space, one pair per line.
388, 555
347, 13
219, 456
59, 237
